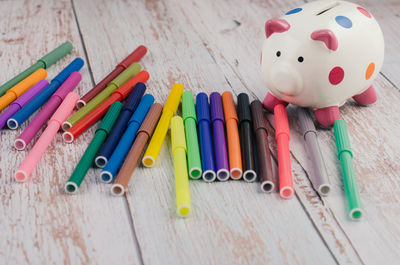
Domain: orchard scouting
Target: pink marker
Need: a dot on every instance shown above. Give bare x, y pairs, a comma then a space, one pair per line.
55, 100
22, 101
61, 114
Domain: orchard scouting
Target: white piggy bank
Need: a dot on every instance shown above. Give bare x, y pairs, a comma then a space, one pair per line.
321, 54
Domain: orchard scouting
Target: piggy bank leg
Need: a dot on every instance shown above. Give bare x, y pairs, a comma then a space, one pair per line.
367, 97
327, 116
270, 101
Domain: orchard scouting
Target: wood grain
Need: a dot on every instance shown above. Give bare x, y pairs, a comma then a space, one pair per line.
39, 223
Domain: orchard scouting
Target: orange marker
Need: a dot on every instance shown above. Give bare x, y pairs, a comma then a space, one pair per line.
20, 88
282, 136
231, 120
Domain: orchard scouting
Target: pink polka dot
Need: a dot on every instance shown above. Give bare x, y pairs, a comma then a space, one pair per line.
336, 75
364, 12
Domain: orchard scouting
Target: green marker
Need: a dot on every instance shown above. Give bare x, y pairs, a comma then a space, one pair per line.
101, 134
192, 143
346, 160
44, 62
127, 74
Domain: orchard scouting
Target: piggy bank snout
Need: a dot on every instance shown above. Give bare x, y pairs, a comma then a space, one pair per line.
287, 80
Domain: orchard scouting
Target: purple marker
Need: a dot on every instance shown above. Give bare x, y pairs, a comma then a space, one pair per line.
41, 118
217, 118
22, 101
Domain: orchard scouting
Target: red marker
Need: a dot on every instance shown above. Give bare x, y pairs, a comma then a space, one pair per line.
282, 136
118, 95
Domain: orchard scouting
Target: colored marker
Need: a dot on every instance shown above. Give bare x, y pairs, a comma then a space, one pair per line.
282, 136
119, 127
135, 56
192, 142
345, 156
319, 174
27, 166
122, 78
16, 120
74, 182
218, 128
206, 148
20, 88
246, 142
40, 119
44, 62
132, 159
126, 141
170, 108
118, 95
232, 132
263, 153
181, 175
22, 101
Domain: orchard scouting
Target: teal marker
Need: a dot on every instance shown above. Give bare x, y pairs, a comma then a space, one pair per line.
192, 142
44, 62
101, 134
346, 160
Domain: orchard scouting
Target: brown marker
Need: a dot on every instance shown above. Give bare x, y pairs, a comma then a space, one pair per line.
142, 136
263, 153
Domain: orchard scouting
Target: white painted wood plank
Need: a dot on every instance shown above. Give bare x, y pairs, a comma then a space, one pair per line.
39, 224
232, 223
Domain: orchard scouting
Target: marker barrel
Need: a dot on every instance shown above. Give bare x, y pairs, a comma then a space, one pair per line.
44, 62
181, 175
218, 129
120, 125
206, 148
27, 166
117, 158
132, 159
170, 108
192, 142
282, 136
39, 100
345, 156
135, 56
86, 161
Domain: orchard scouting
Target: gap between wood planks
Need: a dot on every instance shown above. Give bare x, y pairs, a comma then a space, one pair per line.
124, 198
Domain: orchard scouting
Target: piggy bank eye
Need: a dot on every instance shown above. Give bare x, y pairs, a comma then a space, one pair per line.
300, 59
278, 53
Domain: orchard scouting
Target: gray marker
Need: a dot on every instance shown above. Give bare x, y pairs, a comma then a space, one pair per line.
319, 175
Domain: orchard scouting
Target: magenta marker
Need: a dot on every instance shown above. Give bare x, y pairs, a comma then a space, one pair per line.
22, 101
41, 118
218, 128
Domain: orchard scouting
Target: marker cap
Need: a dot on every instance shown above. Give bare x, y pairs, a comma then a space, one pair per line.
244, 107
203, 111
217, 113
342, 137
65, 108
75, 65
229, 106
258, 116
126, 74
188, 107
56, 54
126, 88
281, 121
134, 97
135, 56
177, 134
174, 98
142, 109
151, 119
110, 118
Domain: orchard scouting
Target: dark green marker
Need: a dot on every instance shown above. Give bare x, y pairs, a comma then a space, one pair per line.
44, 62
100, 136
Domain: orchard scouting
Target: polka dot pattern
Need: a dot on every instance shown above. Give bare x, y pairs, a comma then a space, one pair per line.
370, 71
294, 11
336, 75
343, 21
364, 12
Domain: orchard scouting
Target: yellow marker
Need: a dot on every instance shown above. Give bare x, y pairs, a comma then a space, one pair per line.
151, 154
181, 173
20, 88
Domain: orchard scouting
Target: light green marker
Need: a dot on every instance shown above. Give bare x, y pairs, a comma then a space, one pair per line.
192, 143
346, 160
127, 74
44, 62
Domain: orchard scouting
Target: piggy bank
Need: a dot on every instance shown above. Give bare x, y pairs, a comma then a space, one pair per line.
321, 54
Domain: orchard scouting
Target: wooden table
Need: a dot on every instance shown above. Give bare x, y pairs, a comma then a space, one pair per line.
207, 46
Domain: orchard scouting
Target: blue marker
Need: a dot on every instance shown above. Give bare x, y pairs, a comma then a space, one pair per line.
18, 118
206, 149
120, 125
126, 141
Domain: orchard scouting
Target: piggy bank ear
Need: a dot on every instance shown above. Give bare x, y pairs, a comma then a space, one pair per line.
276, 26
327, 36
